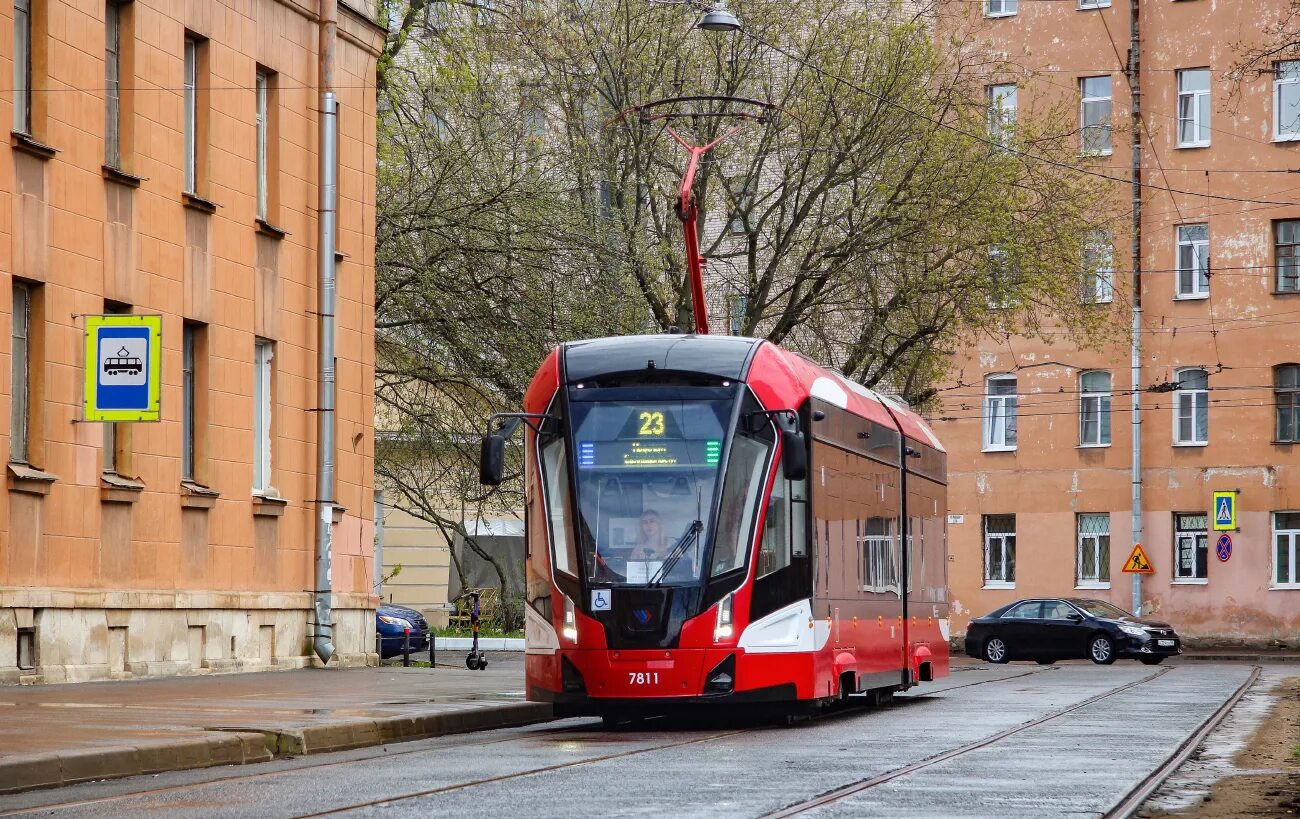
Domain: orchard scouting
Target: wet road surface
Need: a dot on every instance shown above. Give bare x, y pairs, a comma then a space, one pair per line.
998, 741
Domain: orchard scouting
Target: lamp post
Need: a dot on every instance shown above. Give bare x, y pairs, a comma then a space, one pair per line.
718, 18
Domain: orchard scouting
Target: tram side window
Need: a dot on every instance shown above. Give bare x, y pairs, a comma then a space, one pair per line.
741, 488
785, 525
556, 466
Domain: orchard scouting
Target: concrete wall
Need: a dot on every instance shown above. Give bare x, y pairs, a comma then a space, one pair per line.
86, 552
1238, 334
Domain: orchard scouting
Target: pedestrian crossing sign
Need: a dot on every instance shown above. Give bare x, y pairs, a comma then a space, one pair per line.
1225, 511
1137, 562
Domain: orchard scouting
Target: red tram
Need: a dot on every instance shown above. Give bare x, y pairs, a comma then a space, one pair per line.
717, 520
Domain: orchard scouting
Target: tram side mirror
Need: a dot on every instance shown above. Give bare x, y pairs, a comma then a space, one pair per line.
492, 459
794, 455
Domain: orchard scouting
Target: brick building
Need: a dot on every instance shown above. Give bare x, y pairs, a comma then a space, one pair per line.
164, 160
1040, 435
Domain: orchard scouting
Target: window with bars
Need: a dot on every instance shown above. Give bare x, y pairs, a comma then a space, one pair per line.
1094, 116
1002, 112
1286, 390
1286, 100
999, 549
1193, 273
1286, 556
1092, 566
1193, 108
1192, 407
879, 563
1000, 413
1094, 408
1191, 546
1287, 255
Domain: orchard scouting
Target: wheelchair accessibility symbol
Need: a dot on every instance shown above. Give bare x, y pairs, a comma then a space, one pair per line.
600, 600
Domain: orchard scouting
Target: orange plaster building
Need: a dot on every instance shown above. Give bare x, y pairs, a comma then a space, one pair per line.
1040, 435
164, 160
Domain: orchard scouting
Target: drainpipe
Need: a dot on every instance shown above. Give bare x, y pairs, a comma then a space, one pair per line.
1135, 362
323, 642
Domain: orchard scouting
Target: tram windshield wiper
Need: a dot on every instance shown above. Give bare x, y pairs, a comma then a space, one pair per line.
683, 543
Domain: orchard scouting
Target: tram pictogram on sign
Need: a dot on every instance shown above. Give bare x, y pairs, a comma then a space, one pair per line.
123, 368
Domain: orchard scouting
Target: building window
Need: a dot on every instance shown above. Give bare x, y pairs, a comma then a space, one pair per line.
999, 8
187, 401
1191, 546
23, 66
743, 204
1193, 108
1286, 388
112, 86
1094, 409
1093, 563
116, 436
1193, 261
1286, 557
1094, 116
738, 308
262, 88
1000, 413
1192, 407
263, 403
191, 114
20, 371
999, 550
1002, 112
1094, 4
1098, 268
1287, 256
1286, 100
878, 560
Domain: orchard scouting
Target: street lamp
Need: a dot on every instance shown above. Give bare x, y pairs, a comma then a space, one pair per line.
718, 18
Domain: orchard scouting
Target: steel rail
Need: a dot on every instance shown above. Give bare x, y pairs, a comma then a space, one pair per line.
839, 794
1135, 798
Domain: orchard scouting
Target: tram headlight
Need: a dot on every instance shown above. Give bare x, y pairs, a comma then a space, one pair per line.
722, 627
570, 630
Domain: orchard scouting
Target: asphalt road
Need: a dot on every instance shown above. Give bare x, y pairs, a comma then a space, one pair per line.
1018, 740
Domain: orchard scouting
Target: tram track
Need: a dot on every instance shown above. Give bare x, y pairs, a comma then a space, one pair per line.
1126, 807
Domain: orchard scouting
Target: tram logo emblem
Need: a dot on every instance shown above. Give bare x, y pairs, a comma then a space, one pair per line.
642, 616
600, 600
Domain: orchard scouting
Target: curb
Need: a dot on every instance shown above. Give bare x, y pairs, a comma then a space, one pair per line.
244, 746
1241, 658
484, 643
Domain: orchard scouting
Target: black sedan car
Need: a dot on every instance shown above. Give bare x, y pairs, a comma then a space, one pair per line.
1069, 628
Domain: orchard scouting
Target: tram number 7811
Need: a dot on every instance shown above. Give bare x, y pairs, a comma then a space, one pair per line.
643, 678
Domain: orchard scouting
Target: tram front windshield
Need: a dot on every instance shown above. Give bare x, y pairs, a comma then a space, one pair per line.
646, 478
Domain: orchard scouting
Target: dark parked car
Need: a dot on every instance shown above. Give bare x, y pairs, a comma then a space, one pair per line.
392, 621
1069, 628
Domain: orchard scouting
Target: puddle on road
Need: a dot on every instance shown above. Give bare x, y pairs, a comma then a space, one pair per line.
1192, 782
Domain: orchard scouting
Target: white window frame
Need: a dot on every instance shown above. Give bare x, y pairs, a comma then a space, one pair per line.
1002, 104
1099, 283
1004, 8
879, 558
1200, 262
1099, 403
262, 91
263, 406
1186, 403
22, 66
1286, 75
20, 385
1194, 107
1000, 415
1103, 124
1292, 547
190, 114
1007, 544
113, 84
1101, 557
1199, 539
1085, 5
1286, 257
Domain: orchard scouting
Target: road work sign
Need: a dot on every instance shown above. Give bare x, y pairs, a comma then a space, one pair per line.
1137, 562
123, 368
1225, 511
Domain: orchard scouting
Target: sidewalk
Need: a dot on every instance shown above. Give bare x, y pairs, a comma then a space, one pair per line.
60, 734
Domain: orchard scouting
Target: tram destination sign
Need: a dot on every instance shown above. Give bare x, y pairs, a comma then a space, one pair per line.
640, 453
